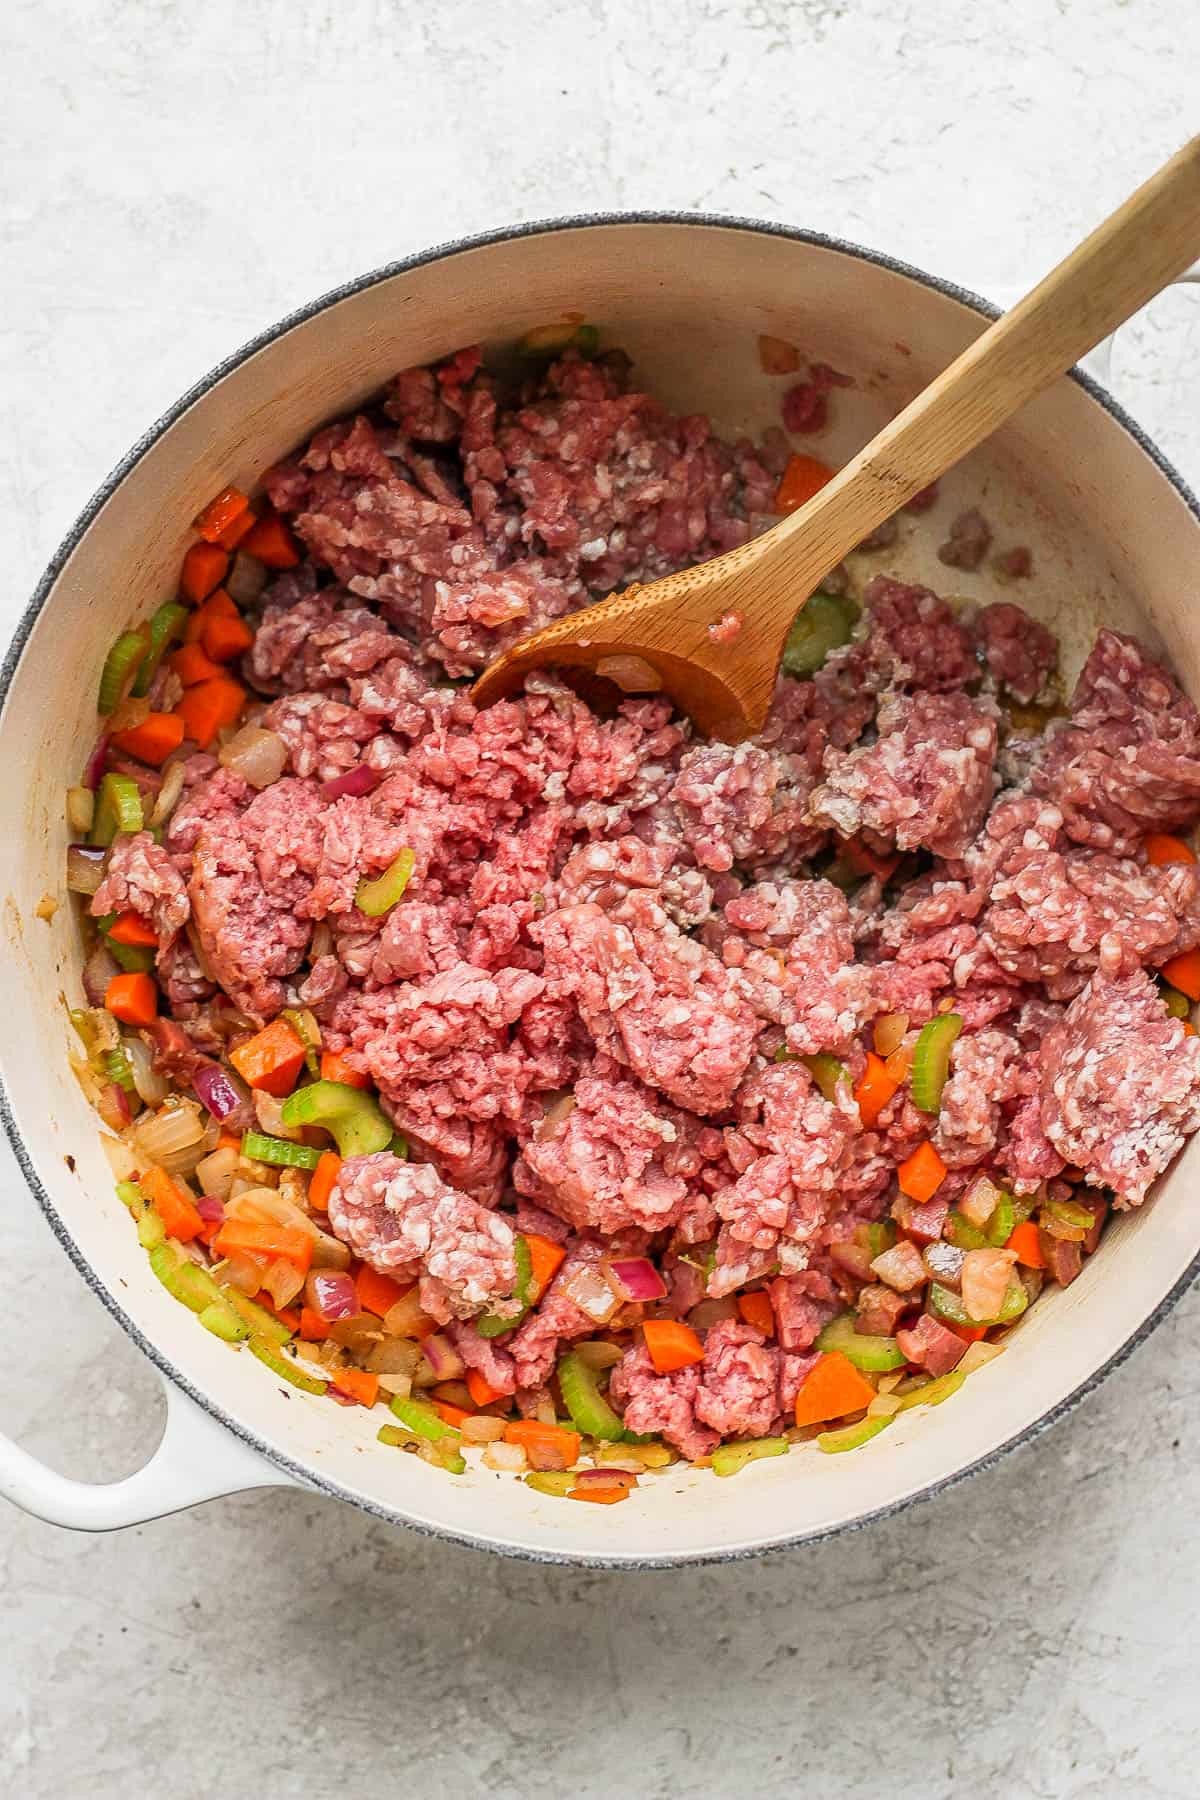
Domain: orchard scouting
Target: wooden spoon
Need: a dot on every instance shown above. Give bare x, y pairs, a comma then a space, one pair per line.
662, 635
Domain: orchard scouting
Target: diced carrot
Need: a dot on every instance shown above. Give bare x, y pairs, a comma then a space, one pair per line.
229, 1140
223, 639
1183, 972
130, 928
313, 1328
191, 665
209, 1230
832, 1388
922, 1173
294, 1245
756, 1310
287, 1315
220, 513
334, 1067
323, 1178
865, 861
671, 1344
599, 1496
236, 530
970, 1334
445, 1409
1161, 847
219, 605
545, 1257
546, 1446
1189, 1030
360, 1385
481, 1392
158, 735
271, 1060
803, 477
272, 543
377, 1293
1025, 1241
208, 706
204, 568
874, 1090
173, 1204
132, 998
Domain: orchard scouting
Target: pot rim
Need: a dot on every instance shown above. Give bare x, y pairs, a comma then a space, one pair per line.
305, 1475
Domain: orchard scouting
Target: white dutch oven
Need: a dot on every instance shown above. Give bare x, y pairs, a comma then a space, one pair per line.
1116, 537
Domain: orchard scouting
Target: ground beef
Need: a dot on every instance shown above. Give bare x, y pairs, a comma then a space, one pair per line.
925, 782
664, 1405
802, 1305
403, 1219
738, 1394
805, 405
1120, 1085
1128, 759
1018, 651
139, 876
981, 1081
804, 976
968, 542
743, 804
912, 641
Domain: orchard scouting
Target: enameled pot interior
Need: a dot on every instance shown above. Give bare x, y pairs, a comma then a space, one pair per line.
1113, 541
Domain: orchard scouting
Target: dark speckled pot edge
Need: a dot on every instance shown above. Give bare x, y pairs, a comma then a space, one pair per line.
303, 1474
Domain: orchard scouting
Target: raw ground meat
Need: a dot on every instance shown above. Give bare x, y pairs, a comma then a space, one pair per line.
1018, 651
140, 876
967, 545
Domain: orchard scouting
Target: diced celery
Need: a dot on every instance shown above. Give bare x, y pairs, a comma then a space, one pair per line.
1000, 1226
118, 808
1068, 1213
825, 622
851, 1436
299, 1017
1016, 1299
135, 959
421, 1419
268, 1353
150, 1230
589, 1410
490, 1325
120, 1069
279, 1152
379, 896
355, 1120
224, 1323
879, 1237
931, 1060
167, 623
551, 1481
130, 1195
183, 1278
932, 1393
826, 1071
948, 1305
123, 658
962, 1234
864, 1350
727, 1459
1177, 1004
261, 1322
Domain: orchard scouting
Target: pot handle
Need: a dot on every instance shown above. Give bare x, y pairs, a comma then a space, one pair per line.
1098, 362
196, 1459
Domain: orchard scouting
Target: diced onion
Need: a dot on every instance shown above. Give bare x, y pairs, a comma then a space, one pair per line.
632, 674
99, 969
555, 1115
508, 1457
985, 1275
890, 1031
168, 794
979, 1201
215, 1173
121, 1159
479, 1429
598, 1354
113, 1106
152, 1088
130, 712
269, 1113
406, 1319
977, 1354
635, 1278
331, 1293
85, 868
283, 1281
591, 1293
81, 809
443, 1358
394, 1356
257, 756
173, 1137
357, 1333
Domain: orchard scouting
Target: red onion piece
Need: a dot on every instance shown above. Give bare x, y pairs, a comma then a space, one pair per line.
442, 1357
99, 969
591, 1293
85, 868
218, 1090
635, 1278
113, 1107
331, 1293
354, 782
94, 768
605, 1477
211, 1209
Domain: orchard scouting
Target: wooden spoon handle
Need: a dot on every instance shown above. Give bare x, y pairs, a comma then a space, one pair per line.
1128, 259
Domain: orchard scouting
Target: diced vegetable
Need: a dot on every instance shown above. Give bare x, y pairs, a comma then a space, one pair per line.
220, 513
204, 568
546, 1446
550, 1481
490, 1325
826, 1071
864, 1350
672, 1345
118, 808
262, 1324
932, 1393
270, 541
874, 1090
324, 1176
224, 638
130, 928
1161, 847
931, 1060
589, 1410
377, 897
378, 1293
208, 706
272, 1240
120, 666
421, 1419
832, 1388
158, 736
545, 1260
551, 340
962, 1234
360, 1385
280, 1365
1003, 1220
192, 666
279, 1152
850, 1437
824, 623
133, 999
728, 1459
1177, 1004
984, 1282
335, 1067
480, 1390
756, 1309
272, 1060
167, 624
1025, 1241
354, 1119
921, 1174
1183, 972
803, 477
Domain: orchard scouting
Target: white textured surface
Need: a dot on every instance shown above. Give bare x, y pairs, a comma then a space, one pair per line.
175, 178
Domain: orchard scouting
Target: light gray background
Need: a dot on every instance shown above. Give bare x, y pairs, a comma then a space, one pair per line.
174, 178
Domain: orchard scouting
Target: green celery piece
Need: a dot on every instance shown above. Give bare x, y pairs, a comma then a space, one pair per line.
821, 626
1068, 1213
589, 1411
377, 897
586, 340
269, 1354
1002, 1223
826, 1071
948, 1305
135, 959
1016, 1299
1177, 1004
932, 1393
851, 1436
931, 1060
865, 1350
880, 1236
224, 1323
962, 1234
727, 1459
490, 1325
551, 1481
185, 1280
393, 1436
130, 1195
120, 1069
355, 1120
422, 1420
312, 1050
120, 663
168, 622
279, 1152
399, 1146
262, 1323
118, 808
150, 1230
